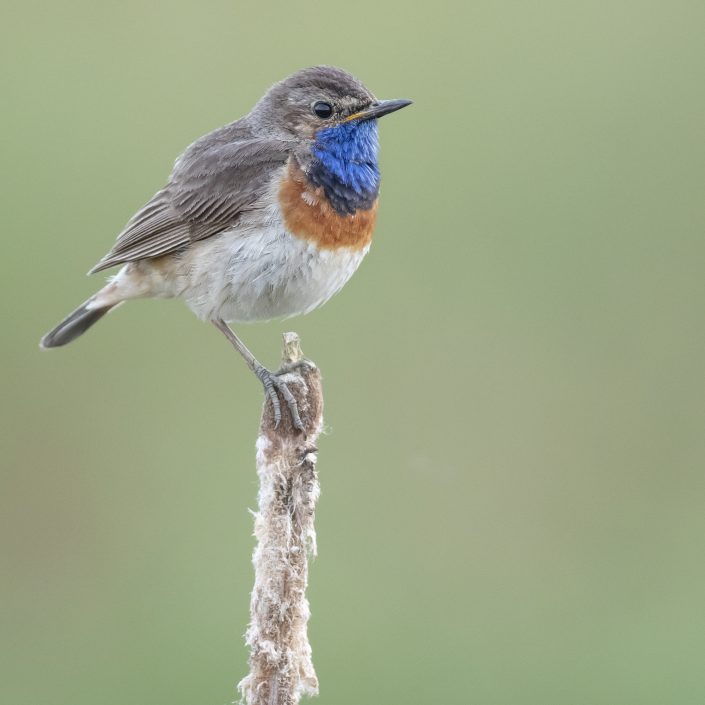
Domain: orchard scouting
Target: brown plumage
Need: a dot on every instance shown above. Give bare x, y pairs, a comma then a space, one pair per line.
308, 215
212, 183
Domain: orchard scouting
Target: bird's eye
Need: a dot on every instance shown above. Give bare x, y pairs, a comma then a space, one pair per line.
322, 109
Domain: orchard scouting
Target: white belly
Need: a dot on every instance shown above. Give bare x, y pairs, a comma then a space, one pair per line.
262, 273
254, 272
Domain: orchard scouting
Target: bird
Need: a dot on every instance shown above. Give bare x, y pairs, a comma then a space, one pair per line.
264, 218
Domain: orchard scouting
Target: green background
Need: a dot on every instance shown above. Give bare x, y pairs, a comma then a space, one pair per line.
513, 488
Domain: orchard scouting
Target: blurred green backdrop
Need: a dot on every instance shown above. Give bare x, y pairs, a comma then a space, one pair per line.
513, 491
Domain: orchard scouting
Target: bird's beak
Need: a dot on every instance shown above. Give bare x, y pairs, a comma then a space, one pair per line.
378, 109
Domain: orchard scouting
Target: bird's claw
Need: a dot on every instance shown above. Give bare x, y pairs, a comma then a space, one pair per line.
273, 383
296, 365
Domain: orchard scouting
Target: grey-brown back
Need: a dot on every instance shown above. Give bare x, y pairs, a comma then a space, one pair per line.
215, 179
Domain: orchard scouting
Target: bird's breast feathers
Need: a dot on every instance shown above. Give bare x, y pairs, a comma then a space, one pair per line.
308, 214
286, 256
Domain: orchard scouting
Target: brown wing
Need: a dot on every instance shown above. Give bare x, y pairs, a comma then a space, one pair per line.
218, 177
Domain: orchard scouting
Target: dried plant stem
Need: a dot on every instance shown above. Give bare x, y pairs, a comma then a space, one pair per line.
280, 663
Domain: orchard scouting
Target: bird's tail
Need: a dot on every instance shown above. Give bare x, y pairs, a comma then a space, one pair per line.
75, 324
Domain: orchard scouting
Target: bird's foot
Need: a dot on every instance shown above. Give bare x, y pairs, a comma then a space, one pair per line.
273, 383
296, 365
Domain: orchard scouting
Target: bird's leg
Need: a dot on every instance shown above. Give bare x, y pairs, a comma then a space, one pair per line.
270, 380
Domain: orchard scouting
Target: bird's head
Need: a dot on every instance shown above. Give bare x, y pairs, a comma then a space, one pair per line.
317, 99
332, 120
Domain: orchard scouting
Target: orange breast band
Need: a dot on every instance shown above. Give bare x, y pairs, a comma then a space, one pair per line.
308, 215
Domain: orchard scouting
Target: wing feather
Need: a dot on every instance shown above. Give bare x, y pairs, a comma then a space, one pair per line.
218, 177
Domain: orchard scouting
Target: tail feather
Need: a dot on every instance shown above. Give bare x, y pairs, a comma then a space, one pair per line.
74, 324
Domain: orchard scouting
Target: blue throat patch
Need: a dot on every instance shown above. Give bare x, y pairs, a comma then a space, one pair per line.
345, 165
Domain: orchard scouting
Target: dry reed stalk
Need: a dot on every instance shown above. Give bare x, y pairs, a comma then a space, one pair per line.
281, 670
